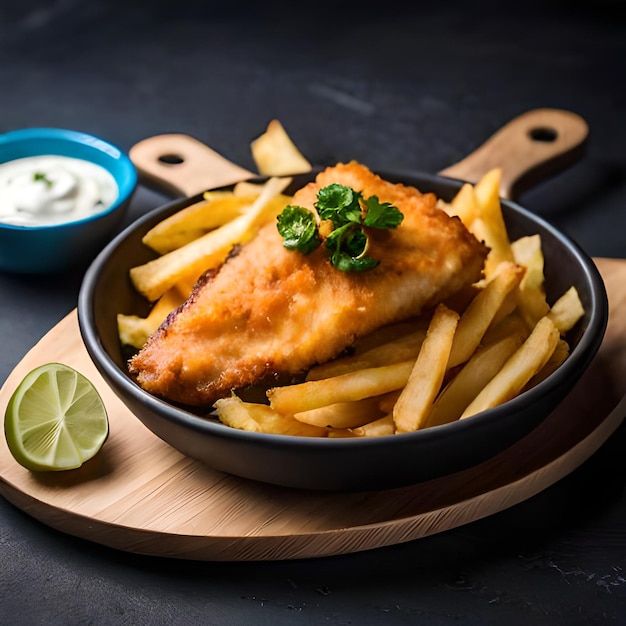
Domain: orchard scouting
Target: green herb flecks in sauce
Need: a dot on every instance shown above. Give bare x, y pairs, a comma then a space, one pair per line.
40, 176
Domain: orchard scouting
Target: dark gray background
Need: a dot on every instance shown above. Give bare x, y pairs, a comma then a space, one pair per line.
407, 87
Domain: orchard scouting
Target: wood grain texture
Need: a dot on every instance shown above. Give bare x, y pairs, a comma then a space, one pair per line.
182, 165
142, 496
531, 146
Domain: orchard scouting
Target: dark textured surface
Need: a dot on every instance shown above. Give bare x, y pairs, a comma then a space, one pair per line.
395, 87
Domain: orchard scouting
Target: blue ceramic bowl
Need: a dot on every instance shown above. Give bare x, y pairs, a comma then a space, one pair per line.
57, 247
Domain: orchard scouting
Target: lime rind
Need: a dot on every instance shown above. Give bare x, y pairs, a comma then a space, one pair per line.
55, 419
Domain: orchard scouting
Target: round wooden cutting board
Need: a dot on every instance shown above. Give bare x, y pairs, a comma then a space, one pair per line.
140, 495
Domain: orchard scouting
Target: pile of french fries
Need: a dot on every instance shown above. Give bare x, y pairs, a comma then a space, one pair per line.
455, 362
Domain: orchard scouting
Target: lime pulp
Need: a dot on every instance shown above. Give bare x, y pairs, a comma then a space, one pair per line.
55, 419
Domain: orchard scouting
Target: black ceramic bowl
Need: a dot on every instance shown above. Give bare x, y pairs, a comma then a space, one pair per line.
329, 463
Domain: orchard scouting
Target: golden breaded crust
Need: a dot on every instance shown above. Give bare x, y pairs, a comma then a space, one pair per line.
269, 310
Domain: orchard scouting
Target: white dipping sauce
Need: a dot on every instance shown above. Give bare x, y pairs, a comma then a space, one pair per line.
52, 189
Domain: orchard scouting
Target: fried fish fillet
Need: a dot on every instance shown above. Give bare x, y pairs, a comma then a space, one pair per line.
268, 310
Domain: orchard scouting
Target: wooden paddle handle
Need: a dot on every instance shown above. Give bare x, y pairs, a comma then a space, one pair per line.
183, 166
530, 147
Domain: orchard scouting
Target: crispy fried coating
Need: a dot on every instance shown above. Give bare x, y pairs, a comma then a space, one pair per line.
268, 310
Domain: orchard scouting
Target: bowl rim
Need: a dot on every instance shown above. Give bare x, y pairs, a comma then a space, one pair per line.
126, 184
580, 357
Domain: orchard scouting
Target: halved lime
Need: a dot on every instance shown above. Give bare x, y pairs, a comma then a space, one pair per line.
55, 419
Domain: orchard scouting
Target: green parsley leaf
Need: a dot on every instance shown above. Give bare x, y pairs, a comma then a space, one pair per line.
298, 228
349, 238
350, 215
381, 214
346, 263
339, 203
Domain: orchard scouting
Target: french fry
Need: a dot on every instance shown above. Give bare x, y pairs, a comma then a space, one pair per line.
217, 209
401, 349
342, 414
482, 310
464, 204
567, 310
134, 330
561, 352
154, 278
234, 413
341, 433
508, 307
275, 154
411, 409
255, 417
488, 224
532, 302
475, 374
387, 401
314, 394
511, 324
381, 427
527, 360
247, 188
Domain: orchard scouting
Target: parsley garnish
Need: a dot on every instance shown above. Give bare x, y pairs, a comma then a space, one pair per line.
40, 176
350, 215
298, 229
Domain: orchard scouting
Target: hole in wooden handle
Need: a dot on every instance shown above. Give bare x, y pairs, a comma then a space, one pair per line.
529, 148
544, 134
171, 159
179, 164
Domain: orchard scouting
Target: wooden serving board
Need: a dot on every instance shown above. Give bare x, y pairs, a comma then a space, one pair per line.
142, 496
